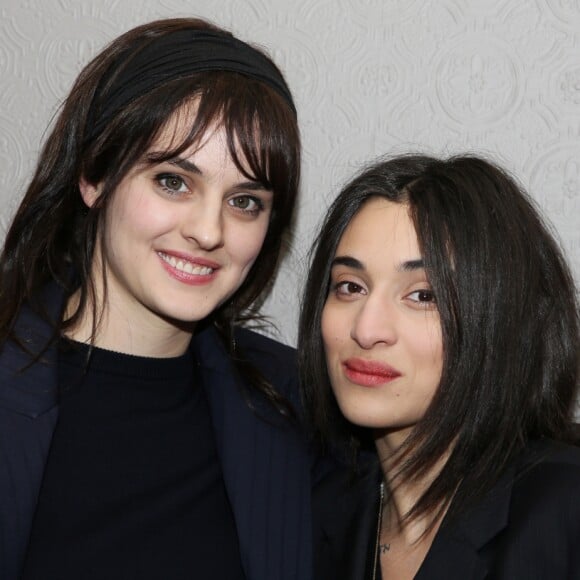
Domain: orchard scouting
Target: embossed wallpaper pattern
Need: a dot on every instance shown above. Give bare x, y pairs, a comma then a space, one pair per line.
370, 77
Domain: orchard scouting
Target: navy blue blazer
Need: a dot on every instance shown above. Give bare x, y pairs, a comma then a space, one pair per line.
265, 464
527, 527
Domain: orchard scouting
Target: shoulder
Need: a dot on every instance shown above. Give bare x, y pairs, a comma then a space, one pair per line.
255, 344
549, 465
267, 354
548, 481
277, 361
543, 528
528, 524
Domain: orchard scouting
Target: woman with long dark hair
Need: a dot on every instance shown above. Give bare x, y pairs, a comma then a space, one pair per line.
439, 346
143, 434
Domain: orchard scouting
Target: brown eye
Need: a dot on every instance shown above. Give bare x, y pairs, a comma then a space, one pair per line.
347, 288
424, 298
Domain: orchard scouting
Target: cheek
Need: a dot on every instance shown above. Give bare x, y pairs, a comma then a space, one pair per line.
137, 215
331, 340
326, 327
435, 346
332, 327
244, 243
430, 350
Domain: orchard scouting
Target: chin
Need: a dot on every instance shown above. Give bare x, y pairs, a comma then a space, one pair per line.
363, 418
184, 319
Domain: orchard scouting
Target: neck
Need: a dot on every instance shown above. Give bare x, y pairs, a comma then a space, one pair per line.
403, 494
117, 330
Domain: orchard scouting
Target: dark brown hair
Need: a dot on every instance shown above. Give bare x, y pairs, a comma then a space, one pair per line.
54, 233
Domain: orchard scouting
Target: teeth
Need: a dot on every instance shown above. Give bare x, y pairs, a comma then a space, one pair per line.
185, 266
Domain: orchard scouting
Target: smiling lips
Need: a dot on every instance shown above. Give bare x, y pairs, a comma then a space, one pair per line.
193, 272
369, 373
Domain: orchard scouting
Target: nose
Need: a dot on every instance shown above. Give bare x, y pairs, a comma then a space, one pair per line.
375, 323
204, 225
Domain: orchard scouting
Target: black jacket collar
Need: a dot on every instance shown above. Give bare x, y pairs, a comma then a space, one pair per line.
346, 517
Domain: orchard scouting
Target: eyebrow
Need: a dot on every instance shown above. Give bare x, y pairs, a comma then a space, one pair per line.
411, 265
186, 165
347, 261
191, 167
350, 262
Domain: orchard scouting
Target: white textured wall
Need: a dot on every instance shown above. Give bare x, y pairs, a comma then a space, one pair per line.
369, 77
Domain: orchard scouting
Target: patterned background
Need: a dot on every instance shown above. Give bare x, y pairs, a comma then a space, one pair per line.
500, 77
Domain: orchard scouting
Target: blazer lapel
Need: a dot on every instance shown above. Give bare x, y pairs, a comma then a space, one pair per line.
28, 416
459, 549
265, 469
452, 558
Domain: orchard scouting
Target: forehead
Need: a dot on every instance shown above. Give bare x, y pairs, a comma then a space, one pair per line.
177, 129
210, 144
381, 228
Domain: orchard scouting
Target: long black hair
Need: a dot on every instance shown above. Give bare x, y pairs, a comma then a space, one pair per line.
53, 233
509, 318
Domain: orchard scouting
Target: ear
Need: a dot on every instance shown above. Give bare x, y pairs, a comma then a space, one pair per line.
89, 192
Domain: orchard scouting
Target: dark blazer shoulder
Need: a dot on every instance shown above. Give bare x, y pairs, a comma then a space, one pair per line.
274, 360
548, 477
547, 489
265, 351
542, 534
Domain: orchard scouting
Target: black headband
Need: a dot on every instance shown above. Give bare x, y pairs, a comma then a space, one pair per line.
176, 55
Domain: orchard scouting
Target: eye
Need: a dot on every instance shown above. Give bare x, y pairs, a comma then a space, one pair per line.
172, 183
248, 204
423, 298
347, 288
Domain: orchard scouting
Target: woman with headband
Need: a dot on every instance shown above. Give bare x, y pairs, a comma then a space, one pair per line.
439, 342
143, 434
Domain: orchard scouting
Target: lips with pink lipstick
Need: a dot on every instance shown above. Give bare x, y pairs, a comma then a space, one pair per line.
188, 269
368, 373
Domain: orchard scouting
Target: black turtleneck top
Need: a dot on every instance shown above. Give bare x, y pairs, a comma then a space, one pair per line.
133, 487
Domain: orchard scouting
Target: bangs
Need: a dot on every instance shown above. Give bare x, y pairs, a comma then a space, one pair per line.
260, 128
